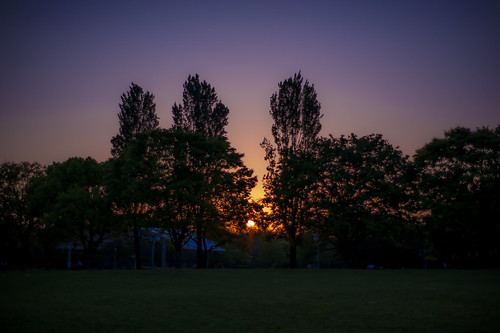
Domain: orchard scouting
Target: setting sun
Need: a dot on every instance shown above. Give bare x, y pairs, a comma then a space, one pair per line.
250, 223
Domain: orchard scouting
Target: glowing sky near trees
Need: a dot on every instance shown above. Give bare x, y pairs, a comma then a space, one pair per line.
406, 69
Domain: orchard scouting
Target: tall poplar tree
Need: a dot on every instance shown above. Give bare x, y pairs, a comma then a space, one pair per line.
137, 115
201, 111
222, 180
291, 170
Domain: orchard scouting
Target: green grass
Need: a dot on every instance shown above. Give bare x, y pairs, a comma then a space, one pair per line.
250, 301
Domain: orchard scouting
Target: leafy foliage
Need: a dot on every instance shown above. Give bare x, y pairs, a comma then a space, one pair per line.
17, 226
201, 111
72, 202
291, 168
185, 183
223, 181
358, 193
137, 114
364, 193
460, 185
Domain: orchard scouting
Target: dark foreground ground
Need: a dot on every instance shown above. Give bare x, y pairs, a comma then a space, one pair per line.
250, 301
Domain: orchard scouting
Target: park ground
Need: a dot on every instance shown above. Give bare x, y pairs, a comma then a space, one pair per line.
250, 300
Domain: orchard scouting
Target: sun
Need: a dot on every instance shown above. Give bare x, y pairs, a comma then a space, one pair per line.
250, 223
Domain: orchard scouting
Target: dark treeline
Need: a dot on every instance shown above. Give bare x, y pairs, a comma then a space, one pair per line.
360, 198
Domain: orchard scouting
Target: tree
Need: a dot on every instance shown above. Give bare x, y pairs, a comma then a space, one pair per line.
201, 111
148, 190
130, 183
224, 195
291, 171
215, 198
16, 224
222, 181
166, 183
137, 114
365, 195
460, 185
72, 203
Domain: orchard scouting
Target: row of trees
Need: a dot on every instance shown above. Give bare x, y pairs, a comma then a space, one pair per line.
369, 201
360, 195
186, 180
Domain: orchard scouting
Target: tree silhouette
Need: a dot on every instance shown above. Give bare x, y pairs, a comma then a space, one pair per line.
364, 195
137, 114
460, 185
17, 225
130, 184
291, 171
201, 111
73, 204
222, 177
164, 183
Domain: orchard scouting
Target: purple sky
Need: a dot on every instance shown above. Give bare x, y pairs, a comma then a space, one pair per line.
406, 69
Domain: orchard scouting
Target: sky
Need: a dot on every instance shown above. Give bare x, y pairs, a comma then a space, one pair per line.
406, 69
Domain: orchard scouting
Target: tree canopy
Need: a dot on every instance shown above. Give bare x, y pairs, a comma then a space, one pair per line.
17, 225
168, 186
137, 114
72, 202
358, 197
460, 186
201, 111
224, 181
364, 194
291, 170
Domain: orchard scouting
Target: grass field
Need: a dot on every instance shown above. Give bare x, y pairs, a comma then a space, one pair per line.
250, 301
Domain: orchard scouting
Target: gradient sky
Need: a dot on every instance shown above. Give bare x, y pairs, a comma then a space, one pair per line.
406, 69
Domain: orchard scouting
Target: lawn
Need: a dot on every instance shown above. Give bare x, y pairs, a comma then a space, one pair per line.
242, 300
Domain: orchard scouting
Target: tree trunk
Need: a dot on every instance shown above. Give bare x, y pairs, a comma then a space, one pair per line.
25, 252
293, 250
48, 257
137, 246
90, 255
205, 253
346, 260
200, 260
178, 254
